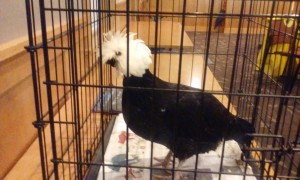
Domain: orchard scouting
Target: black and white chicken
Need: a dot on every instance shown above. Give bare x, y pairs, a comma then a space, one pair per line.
186, 122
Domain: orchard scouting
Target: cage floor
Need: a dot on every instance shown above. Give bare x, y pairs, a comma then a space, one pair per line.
139, 155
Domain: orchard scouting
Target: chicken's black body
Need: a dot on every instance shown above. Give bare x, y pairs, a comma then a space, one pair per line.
187, 123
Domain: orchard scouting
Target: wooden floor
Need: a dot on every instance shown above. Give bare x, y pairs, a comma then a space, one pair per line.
168, 34
29, 165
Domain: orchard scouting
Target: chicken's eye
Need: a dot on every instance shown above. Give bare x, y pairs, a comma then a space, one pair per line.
118, 53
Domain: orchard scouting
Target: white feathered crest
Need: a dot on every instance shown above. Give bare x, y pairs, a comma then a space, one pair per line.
115, 47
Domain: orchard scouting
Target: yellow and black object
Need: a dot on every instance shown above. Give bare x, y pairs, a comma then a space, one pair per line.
279, 44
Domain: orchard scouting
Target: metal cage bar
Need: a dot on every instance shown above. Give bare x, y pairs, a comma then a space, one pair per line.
76, 95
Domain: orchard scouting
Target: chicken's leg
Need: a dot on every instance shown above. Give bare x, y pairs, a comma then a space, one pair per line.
167, 174
164, 162
179, 174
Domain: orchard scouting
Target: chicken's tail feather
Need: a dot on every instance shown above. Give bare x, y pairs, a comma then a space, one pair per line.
241, 131
245, 125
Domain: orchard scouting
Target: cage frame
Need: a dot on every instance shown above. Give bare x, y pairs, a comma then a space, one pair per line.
33, 47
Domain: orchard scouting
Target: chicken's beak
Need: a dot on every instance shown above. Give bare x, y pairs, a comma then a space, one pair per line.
112, 62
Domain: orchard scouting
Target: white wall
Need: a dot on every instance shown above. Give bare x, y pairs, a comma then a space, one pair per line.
12, 20
13, 23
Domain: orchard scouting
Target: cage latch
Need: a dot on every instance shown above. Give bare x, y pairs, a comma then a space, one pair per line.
275, 152
32, 48
293, 147
38, 124
89, 155
50, 82
57, 160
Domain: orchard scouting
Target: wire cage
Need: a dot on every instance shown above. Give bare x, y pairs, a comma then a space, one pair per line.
246, 53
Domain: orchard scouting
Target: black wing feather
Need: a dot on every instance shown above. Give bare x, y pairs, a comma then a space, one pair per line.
186, 122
